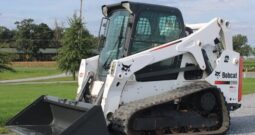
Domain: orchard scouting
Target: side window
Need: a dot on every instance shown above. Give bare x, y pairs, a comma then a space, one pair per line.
153, 29
142, 34
169, 27
193, 74
164, 70
143, 27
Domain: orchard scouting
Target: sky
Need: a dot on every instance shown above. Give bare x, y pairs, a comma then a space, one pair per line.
241, 13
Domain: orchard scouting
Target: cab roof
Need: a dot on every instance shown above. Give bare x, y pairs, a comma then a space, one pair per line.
134, 7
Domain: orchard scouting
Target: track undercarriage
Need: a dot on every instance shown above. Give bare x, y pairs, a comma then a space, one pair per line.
198, 108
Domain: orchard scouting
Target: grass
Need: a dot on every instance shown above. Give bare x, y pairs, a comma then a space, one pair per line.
3, 130
249, 63
13, 98
248, 85
30, 69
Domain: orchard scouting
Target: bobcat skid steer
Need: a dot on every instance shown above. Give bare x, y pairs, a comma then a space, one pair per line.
154, 75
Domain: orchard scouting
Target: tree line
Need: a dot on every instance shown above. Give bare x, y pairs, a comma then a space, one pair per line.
240, 44
29, 37
74, 42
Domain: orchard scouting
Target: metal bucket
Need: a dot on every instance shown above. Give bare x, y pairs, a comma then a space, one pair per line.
53, 116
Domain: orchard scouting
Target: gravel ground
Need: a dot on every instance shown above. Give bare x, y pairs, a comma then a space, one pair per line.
243, 120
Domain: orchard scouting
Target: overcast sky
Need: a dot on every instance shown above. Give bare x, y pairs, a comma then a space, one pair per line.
241, 13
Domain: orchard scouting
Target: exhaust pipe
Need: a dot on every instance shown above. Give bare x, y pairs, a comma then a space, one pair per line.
53, 116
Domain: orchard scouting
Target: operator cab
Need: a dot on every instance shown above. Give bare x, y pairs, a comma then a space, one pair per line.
128, 28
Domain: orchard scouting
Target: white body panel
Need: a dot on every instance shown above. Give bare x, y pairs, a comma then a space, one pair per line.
196, 27
192, 44
86, 66
121, 86
97, 85
225, 76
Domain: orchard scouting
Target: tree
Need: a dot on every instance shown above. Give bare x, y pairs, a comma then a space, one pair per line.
30, 37
77, 44
23, 37
5, 60
58, 34
253, 51
240, 45
41, 38
42, 35
6, 36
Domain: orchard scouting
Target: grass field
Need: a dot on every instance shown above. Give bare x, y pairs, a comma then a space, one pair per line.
30, 69
249, 63
14, 98
248, 85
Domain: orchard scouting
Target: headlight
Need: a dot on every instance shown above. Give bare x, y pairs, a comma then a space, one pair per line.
112, 69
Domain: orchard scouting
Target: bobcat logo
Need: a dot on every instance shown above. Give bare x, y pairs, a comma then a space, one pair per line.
217, 74
125, 68
226, 59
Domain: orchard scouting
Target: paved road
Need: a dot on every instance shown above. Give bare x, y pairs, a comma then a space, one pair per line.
34, 79
249, 74
243, 120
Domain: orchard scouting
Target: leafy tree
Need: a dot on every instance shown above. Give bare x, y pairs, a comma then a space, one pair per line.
6, 36
240, 45
76, 45
24, 38
42, 38
42, 35
58, 34
5, 60
253, 51
30, 37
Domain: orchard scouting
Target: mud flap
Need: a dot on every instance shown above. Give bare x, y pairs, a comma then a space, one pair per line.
53, 116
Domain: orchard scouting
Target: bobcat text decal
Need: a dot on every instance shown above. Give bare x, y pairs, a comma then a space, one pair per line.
219, 74
229, 75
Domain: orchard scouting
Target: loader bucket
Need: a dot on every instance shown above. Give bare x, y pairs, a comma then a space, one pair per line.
53, 116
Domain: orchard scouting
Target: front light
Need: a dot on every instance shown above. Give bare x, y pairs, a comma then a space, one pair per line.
112, 68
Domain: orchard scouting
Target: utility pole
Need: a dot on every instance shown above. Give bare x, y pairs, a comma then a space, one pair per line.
80, 32
81, 8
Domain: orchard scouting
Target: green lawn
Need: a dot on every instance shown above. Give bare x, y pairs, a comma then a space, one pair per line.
30, 69
27, 72
248, 85
249, 63
13, 98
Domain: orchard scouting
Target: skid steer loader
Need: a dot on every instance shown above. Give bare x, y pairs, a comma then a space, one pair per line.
154, 75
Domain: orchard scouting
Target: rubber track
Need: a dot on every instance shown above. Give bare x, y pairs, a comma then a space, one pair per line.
122, 116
